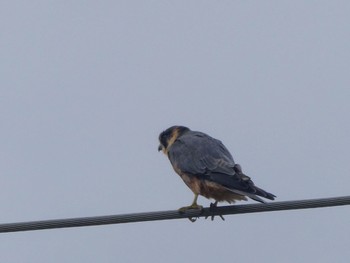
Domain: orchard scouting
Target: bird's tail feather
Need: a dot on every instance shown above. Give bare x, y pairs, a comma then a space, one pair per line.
264, 194
252, 196
255, 196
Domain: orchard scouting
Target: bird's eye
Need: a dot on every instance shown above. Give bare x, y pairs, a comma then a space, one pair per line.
163, 138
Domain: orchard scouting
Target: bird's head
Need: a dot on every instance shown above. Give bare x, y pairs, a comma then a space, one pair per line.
169, 136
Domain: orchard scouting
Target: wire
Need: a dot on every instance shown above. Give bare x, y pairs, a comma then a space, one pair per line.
174, 214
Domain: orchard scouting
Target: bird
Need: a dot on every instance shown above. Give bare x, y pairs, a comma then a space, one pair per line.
207, 168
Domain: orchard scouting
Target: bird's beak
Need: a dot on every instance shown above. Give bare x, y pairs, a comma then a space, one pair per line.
160, 147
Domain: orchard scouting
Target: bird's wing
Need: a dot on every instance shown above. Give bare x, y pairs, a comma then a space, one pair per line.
197, 153
200, 155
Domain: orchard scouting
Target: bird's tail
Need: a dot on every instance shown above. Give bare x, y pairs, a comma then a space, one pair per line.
255, 196
256, 190
263, 193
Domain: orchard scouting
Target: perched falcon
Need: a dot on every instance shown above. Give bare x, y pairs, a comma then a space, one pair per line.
207, 167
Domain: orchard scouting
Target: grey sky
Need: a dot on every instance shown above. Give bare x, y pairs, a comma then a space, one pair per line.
87, 86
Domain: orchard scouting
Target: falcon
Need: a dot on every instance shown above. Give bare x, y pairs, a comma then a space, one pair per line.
207, 168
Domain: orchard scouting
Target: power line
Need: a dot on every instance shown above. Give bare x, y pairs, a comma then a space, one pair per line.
174, 214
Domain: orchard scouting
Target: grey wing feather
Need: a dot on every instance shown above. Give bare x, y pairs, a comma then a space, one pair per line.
198, 153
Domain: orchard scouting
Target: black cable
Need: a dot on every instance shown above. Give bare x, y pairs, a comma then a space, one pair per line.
174, 214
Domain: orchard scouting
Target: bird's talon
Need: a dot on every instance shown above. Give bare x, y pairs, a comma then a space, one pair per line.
213, 205
213, 216
212, 208
193, 219
194, 206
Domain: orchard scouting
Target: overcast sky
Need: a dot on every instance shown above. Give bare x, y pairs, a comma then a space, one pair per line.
87, 86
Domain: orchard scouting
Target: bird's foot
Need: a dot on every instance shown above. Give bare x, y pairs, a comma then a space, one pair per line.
212, 208
191, 207
194, 206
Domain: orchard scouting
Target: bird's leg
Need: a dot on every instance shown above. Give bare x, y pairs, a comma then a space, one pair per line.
213, 205
194, 205
212, 208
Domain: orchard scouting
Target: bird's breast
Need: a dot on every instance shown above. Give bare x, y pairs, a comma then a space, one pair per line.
210, 189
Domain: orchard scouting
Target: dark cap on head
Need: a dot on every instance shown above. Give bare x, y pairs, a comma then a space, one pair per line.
168, 134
